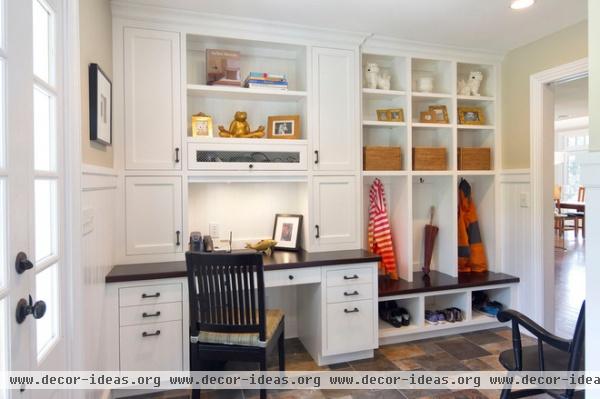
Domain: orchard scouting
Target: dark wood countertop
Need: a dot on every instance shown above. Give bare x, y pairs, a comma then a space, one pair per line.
279, 260
441, 282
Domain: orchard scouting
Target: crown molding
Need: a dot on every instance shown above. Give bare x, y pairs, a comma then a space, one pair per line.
235, 27
394, 46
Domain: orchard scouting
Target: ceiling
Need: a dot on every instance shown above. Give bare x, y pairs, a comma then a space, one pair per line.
571, 99
480, 24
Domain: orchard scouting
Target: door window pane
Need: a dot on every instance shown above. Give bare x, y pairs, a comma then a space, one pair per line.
46, 289
44, 131
42, 40
46, 230
3, 254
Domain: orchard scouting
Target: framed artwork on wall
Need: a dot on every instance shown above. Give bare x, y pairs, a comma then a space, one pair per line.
100, 105
287, 231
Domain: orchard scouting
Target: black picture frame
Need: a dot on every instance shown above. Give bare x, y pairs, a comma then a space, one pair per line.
97, 77
295, 244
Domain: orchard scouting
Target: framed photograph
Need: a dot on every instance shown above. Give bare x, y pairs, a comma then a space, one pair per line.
287, 231
382, 115
202, 125
100, 105
470, 116
284, 127
395, 115
427, 117
440, 113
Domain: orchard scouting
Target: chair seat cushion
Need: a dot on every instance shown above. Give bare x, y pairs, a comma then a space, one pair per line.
273, 317
554, 359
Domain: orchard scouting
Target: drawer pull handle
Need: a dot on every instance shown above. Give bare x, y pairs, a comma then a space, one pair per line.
144, 296
177, 155
355, 310
147, 334
151, 314
350, 293
291, 276
351, 277
318, 235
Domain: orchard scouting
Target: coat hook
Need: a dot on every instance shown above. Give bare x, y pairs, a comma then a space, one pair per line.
421, 180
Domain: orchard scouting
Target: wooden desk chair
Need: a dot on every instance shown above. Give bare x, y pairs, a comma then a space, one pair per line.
559, 223
228, 319
581, 215
552, 353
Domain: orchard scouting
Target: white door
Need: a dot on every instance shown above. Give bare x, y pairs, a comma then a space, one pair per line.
337, 127
31, 189
335, 209
152, 100
154, 222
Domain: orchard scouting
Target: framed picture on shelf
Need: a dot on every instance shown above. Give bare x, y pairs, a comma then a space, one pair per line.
284, 127
395, 115
202, 125
440, 113
287, 231
100, 105
470, 116
382, 115
427, 117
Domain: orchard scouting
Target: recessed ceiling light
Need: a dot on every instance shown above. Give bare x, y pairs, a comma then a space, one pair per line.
520, 4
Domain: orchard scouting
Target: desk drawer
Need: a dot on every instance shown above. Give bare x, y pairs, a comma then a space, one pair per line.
279, 278
347, 293
156, 346
149, 294
158, 313
350, 327
350, 276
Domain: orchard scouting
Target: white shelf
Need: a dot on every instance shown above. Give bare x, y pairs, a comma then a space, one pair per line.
476, 172
432, 172
476, 98
383, 123
476, 127
241, 93
387, 330
379, 94
382, 173
480, 318
431, 95
432, 125
227, 140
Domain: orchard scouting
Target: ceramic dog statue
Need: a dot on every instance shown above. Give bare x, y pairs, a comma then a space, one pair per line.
371, 75
471, 86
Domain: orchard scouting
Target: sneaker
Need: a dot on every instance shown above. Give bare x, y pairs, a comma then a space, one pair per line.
458, 314
441, 317
431, 317
489, 310
449, 314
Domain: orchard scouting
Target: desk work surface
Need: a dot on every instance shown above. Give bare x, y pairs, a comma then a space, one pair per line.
279, 260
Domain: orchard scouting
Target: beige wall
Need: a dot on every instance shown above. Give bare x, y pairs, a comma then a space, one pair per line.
95, 30
567, 45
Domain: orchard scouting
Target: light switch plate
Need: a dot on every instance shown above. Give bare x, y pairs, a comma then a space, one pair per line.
524, 200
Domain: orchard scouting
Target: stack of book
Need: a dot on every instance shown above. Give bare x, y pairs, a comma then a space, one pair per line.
260, 80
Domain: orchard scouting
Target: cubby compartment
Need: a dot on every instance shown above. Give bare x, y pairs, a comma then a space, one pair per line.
388, 136
414, 307
487, 111
484, 198
487, 87
441, 72
211, 203
396, 194
392, 65
373, 103
502, 295
437, 137
423, 104
439, 192
441, 301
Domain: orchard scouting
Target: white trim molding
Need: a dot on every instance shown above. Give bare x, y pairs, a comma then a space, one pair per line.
541, 201
97, 178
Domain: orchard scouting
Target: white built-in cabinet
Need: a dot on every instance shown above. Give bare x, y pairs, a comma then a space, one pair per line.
152, 96
334, 213
334, 87
153, 209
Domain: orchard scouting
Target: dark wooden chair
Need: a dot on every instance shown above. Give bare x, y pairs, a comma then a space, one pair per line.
552, 353
228, 319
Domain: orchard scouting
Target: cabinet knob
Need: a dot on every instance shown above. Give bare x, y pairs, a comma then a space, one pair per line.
251, 166
291, 276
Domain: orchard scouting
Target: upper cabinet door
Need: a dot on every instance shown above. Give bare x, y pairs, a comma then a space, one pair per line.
152, 79
336, 125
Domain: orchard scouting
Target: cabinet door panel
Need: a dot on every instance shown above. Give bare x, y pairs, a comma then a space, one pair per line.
335, 208
152, 79
153, 209
335, 109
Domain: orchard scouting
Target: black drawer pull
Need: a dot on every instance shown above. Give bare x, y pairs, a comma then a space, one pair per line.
178, 233
177, 155
318, 235
350, 293
151, 296
355, 310
351, 277
147, 334
316, 157
151, 314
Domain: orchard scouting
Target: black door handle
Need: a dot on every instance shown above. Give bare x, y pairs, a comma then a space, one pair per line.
26, 308
355, 310
151, 296
151, 314
178, 243
318, 235
316, 157
22, 264
147, 334
177, 155
350, 293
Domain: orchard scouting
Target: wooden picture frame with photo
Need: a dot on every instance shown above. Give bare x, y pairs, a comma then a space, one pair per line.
286, 127
471, 116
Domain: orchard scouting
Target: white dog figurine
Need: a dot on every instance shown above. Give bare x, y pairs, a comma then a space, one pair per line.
375, 78
470, 87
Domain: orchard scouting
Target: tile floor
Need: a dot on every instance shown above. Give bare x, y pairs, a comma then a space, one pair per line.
471, 351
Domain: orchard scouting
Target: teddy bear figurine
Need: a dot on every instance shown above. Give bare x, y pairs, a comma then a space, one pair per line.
240, 128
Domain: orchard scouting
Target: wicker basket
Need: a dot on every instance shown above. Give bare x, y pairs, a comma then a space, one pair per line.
430, 158
474, 158
382, 158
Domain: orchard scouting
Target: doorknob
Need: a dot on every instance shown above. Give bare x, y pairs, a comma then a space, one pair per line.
22, 264
24, 309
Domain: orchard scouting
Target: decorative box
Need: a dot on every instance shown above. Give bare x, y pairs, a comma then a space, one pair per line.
430, 158
474, 158
382, 158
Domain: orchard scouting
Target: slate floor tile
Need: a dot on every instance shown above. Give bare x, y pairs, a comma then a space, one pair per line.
462, 349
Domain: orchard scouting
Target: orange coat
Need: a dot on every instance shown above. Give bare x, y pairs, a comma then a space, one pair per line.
471, 252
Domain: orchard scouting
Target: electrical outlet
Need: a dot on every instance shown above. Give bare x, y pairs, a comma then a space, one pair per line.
524, 200
213, 230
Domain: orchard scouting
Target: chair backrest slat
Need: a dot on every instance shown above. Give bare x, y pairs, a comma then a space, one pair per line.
226, 293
